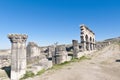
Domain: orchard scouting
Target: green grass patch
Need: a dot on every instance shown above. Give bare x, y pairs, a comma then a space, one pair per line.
41, 72
79, 59
59, 66
27, 75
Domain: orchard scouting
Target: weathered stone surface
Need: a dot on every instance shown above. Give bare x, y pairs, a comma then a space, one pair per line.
60, 54
18, 55
36, 58
5, 61
75, 48
87, 38
51, 51
33, 52
45, 63
101, 45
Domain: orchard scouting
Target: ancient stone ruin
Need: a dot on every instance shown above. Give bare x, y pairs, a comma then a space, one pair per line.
37, 58
75, 48
101, 45
18, 55
60, 54
33, 52
87, 38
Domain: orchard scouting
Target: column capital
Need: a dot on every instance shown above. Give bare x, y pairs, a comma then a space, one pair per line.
17, 38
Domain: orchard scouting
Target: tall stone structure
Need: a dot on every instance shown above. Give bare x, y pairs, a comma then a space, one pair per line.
18, 55
87, 38
75, 48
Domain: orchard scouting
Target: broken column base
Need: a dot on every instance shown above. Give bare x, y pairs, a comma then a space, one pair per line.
17, 75
43, 64
79, 54
60, 58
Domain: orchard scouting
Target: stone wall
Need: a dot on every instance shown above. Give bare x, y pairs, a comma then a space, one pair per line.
5, 61
51, 51
101, 45
33, 52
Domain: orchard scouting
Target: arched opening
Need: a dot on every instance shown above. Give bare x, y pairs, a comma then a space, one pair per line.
86, 38
87, 45
93, 40
90, 39
90, 43
93, 43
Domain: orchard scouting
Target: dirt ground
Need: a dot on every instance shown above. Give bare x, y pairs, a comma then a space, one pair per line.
103, 65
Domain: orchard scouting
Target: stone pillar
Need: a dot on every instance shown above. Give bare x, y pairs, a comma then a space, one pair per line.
75, 48
91, 46
51, 54
83, 42
51, 50
18, 55
87, 46
94, 46
83, 45
60, 54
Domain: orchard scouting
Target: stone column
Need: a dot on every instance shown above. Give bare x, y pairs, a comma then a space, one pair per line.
83, 42
51, 49
75, 48
87, 46
83, 45
60, 54
94, 46
91, 46
51, 54
18, 55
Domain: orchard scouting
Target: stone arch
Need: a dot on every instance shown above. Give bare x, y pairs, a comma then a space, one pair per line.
89, 38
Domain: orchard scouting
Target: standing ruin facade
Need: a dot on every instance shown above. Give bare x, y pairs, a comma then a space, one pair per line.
87, 38
18, 55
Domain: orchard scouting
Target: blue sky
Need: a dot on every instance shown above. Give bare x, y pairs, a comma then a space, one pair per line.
50, 21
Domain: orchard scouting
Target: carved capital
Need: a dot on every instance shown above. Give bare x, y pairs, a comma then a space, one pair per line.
17, 38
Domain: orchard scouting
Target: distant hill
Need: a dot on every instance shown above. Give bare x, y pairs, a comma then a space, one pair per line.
117, 39
5, 52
